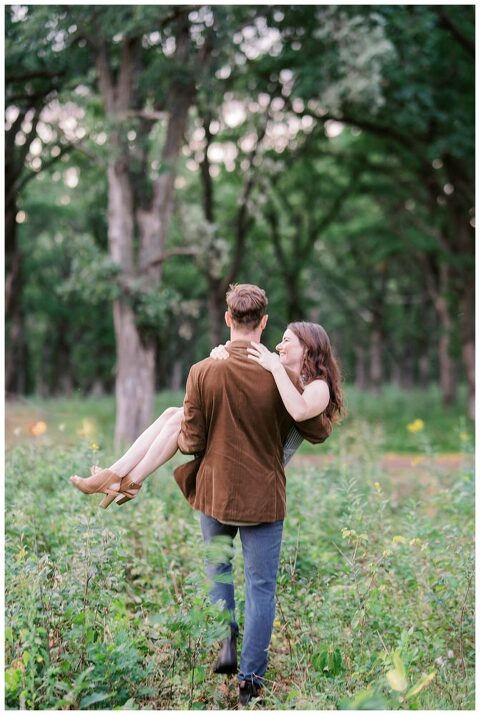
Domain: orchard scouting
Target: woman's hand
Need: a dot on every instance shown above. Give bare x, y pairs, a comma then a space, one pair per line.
220, 352
264, 357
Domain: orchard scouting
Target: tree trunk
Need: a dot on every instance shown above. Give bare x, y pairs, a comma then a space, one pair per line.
135, 377
294, 303
134, 386
407, 371
376, 365
446, 368
176, 375
361, 380
438, 285
15, 345
424, 371
467, 332
135, 373
97, 389
216, 311
15, 348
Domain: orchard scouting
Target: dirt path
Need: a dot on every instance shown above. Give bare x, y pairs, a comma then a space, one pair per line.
393, 461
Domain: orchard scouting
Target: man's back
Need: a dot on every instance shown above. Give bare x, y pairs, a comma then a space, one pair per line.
235, 416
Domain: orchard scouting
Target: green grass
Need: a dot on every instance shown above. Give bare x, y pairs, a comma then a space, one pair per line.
390, 413
108, 609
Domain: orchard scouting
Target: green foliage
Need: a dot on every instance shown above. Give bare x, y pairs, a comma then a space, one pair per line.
108, 609
362, 210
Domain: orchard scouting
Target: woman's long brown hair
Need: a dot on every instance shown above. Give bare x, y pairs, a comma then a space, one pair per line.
320, 362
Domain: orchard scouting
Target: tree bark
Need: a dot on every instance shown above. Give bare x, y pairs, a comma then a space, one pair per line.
376, 363
467, 332
176, 375
438, 279
135, 377
136, 354
424, 371
361, 380
15, 344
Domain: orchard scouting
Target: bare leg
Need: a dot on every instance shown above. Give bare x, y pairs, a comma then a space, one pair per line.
161, 450
143, 444
156, 445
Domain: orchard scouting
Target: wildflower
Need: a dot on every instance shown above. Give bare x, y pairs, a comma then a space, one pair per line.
464, 436
377, 486
398, 539
87, 429
415, 542
346, 533
386, 552
38, 428
416, 426
277, 623
94, 447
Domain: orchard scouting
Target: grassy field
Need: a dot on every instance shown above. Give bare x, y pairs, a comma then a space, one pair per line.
108, 609
388, 415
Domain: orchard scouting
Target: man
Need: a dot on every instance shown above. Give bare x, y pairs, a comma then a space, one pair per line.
236, 421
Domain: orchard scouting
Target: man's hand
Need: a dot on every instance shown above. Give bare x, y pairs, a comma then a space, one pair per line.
264, 357
220, 352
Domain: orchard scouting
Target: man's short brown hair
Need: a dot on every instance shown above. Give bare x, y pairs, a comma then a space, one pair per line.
247, 305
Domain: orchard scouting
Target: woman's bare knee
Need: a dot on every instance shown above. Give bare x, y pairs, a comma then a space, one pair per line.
169, 413
176, 417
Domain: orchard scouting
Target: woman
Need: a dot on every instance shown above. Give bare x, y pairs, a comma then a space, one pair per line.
305, 349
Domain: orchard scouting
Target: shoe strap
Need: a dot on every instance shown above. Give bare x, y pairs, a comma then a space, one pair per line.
127, 485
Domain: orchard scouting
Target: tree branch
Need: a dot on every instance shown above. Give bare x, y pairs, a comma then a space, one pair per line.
448, 23
171, 254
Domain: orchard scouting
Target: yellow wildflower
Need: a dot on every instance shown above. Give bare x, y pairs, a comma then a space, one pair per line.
415, 542
416, 426
377, 486
398, 539
277, 623
464, 436
87, 428
38, 428
94, 447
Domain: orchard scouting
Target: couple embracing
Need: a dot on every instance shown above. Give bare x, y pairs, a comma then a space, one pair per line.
245, 413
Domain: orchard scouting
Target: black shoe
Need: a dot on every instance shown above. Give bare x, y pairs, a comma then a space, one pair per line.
227, 658
247, 690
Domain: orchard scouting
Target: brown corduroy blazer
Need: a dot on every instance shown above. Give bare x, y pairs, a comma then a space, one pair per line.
236, 424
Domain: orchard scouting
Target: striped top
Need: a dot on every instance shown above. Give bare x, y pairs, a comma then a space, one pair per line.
292, 443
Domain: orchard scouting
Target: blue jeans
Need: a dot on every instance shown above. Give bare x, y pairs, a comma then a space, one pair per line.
261, 553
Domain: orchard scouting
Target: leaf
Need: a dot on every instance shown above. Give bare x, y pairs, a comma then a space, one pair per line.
357, 617
128, 705
94, 698
419, 685
199, 674
199, 706
398, 663
364, 700
396, 681
12, 679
